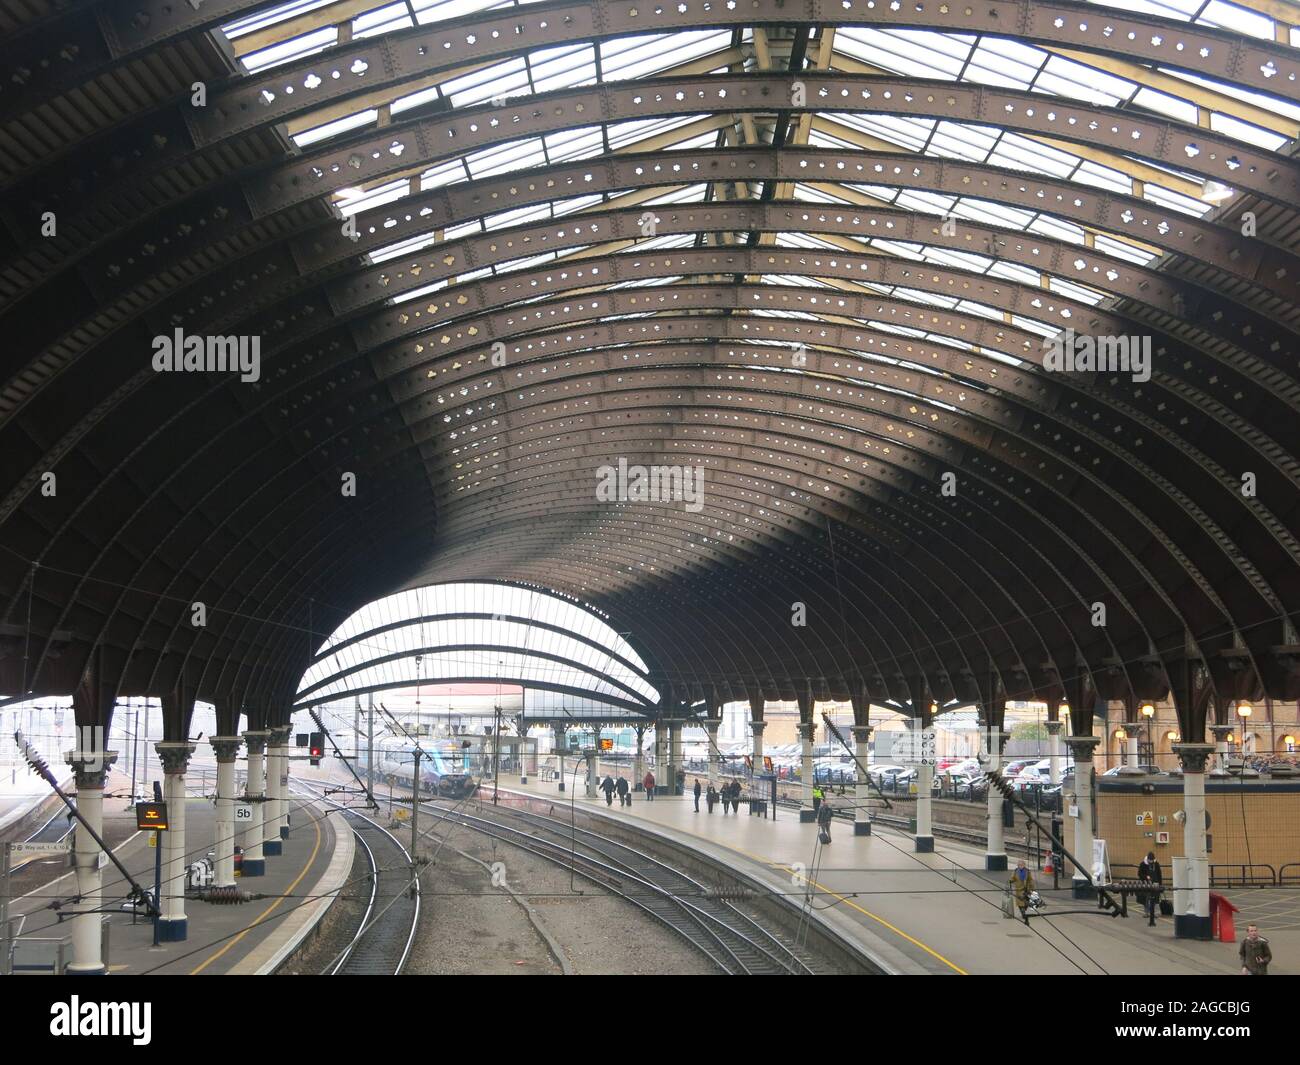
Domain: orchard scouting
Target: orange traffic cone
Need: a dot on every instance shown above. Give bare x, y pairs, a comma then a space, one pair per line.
1048, 867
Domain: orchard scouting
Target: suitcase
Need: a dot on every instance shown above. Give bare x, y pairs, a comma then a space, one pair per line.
1166, 908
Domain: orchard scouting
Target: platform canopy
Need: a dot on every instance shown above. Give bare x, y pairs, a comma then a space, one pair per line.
499, 261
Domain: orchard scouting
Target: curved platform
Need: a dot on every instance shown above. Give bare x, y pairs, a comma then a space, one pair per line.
936, 913
249, 938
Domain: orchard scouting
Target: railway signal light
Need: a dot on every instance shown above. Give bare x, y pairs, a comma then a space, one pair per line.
316, 749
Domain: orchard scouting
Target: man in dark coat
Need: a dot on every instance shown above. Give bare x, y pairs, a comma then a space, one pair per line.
824, 814
607, 786
1149, 873
624, 792
698, 789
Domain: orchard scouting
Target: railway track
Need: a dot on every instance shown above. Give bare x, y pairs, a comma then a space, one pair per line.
56, 829
737, 942
383, 939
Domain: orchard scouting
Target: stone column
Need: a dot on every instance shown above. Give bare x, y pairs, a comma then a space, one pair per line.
756, 758
1221, 734
593, 770
924, 798
254, 863
558, 731
1054, 749
277, 763
638, 760
1081, 747
995, 856
1192, 874
225, 749
87, 936
711, 727
523, 750
661, 756
807, 729
1132, 748
674, 755
862, 793
173, 926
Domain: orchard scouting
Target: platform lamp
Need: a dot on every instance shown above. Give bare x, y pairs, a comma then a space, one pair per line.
1243, 711
1148, 711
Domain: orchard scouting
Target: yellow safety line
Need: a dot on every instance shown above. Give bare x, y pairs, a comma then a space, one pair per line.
265, 913
827, 891
849, 902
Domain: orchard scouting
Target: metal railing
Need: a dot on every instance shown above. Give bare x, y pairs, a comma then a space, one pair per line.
1246, 876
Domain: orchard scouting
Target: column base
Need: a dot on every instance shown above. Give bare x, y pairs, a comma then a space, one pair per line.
1190, 926
173, 929
862, 828
99, 970
523, 780
254, 867
561, 785
807, 816
272, 848
924, 844
995, 863
1082, 889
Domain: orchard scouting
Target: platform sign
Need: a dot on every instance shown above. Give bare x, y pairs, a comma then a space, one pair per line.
606, 744
151, 815
915, 747
243, 812
1145, 819
40, 850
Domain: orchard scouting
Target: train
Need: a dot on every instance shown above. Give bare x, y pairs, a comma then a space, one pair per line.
446, 768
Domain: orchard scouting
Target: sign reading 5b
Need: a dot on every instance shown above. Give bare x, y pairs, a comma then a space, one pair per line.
243, 812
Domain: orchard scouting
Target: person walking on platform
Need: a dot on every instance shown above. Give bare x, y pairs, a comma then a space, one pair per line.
698, 789
711, 797
824, 814
1255, 953
624, 792
1149, 873
648, 782
817, 798
1022, 886
607, 786
735, 796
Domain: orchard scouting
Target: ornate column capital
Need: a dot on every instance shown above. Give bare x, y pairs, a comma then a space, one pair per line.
862, 733
757, 727
712, 724
1222, 732
257, 740
89, 767
225, 748
174, 755
1053, 727
1193, 756
280, 735
1082, 747
807, 730
1001, 736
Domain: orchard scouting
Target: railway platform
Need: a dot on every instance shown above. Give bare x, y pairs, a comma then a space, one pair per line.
247, 938
937, 913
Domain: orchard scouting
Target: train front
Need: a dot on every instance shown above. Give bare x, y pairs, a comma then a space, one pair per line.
454, 766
